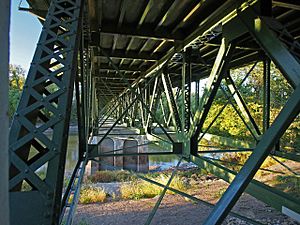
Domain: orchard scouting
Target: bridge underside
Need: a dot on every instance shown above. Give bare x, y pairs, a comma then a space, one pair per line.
144, 63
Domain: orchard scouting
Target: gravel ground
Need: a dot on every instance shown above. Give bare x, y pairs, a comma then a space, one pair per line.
176, 210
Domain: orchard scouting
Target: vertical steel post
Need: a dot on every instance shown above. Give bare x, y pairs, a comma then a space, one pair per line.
218, 72
186, 90
4, 46
266, 109
171, 100
197, 93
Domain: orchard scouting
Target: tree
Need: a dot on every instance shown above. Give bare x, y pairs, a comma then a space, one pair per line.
16, 83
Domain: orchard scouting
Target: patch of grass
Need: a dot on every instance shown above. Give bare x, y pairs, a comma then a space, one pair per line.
138, 190
107, 176
192, 172
92, 195
240, 158
143, 189
289, 184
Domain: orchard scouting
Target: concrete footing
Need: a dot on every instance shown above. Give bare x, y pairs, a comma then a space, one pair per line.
122, 145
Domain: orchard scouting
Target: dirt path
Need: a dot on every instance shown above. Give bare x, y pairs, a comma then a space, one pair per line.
176, 210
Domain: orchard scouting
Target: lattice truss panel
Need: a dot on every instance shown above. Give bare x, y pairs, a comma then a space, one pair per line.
45, 108
47, 96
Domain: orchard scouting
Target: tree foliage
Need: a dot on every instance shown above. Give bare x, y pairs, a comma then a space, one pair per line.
229, 124
16, 83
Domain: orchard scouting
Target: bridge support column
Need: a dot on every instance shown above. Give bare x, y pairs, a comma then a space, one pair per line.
4, 46
45, 106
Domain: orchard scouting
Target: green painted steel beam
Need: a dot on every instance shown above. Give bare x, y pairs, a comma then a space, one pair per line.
262, 150
242, 106
227, 141
208, 86
121, 54
267, 95
58, 41
143, 32
222, 14
4, 119
274, 48
171, 100
287, 155
268, 195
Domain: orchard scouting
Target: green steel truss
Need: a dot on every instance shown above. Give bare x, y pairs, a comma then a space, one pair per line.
178, 130
188, 122
45, 106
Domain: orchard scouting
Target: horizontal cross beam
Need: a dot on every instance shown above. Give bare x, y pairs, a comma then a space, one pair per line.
144, 32
131, 54
105, 67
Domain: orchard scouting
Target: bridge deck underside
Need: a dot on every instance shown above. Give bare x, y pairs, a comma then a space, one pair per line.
129, 60
137, 35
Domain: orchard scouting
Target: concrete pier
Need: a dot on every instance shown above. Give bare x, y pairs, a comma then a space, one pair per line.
122, 140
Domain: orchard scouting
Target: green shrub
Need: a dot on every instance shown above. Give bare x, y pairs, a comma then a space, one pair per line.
107, 176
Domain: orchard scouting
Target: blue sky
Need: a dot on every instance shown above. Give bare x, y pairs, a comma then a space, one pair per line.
25, 29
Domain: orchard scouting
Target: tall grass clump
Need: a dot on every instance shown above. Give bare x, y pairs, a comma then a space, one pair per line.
143, 189
92, 195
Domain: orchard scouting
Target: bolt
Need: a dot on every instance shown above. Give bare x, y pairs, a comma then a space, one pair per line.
26, 171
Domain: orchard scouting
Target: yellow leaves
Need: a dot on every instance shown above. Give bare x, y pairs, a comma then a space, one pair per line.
17, 83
